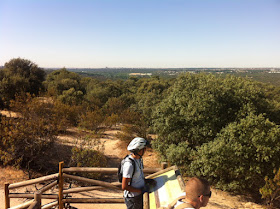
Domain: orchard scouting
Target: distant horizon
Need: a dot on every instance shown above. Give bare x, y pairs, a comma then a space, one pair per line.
2, 66
141, 33
163, 68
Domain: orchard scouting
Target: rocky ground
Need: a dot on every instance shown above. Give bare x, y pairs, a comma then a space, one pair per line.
115, 150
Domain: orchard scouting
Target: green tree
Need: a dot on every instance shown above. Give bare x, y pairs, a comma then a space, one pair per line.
98, 93
150, 92
67, 86
198, 106
19, 76
71, 97
241, 155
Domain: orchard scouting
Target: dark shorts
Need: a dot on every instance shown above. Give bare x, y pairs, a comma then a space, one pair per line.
134, 202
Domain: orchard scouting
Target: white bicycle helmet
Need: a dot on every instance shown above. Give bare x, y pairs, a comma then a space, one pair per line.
137, 144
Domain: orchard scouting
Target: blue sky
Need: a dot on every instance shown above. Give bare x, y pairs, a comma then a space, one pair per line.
141, 33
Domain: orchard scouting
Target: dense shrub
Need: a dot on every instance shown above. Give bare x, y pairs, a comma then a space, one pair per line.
271, 190
25, 140
133, 125
85, 157
129, 131
114, 106
91, 120
69, 115
241, 155
112, 120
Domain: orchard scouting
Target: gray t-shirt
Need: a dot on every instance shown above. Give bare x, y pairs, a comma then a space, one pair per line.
138, 179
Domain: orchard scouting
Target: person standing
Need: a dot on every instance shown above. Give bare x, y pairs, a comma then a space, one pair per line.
133, 181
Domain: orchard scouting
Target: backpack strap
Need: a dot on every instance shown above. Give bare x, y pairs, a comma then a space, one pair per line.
133, 164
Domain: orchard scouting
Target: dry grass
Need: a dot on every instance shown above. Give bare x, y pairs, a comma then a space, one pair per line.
11, 175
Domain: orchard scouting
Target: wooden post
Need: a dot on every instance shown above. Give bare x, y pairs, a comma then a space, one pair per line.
60, 185
37, 198
7, 198
164, 165
146, 202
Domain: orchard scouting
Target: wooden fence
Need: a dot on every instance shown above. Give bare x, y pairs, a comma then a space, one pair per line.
57, 179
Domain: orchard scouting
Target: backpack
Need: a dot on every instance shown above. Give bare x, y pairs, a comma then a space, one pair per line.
120, 168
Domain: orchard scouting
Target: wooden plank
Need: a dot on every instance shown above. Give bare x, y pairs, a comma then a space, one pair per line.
33, 181
47, 187
91, 181
23, 205
151, 170
90, 188
82, 189
161, 172
93, 200
103, 170
34, 205
91, 170
31, 196
50, 205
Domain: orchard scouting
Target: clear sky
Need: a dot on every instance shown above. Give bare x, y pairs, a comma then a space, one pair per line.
141, 33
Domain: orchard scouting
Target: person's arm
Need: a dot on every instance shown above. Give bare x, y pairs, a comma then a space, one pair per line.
128, 170
126, 186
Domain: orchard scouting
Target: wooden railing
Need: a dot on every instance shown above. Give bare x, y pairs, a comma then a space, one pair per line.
58, 179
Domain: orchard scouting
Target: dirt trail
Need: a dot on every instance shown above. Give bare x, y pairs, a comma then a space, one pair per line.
113, 150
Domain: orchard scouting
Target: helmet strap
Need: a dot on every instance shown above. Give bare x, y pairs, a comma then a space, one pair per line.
138, 155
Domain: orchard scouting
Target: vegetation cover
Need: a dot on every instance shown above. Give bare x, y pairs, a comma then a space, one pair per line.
224, 128
25, 139
19, 76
